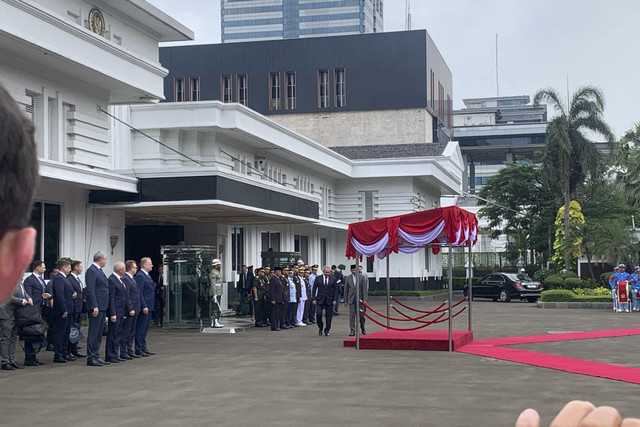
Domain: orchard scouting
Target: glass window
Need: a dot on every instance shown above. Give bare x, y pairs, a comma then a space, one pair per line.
178, 89
301, 244
323, 88
341, 88
290, 102
194, 82
45, 218
237, 248
225, 89
274, 93
243, 89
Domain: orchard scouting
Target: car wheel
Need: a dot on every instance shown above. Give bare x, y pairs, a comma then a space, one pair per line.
532, 299
504, 296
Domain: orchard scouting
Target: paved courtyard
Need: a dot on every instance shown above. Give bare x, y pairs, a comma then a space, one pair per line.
264, 378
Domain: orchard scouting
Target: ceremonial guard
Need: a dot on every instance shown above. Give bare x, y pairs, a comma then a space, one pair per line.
635, 288
216, 293
302, 293
620, 283
258, 292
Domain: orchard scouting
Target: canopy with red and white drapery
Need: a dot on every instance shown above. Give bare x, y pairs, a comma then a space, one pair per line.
410, 232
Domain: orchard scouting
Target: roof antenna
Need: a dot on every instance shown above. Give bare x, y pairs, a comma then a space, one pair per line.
407, 22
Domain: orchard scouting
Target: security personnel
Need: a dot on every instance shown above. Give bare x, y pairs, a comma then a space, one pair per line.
258, 292
266, 305
275, 298
635, 287
619, 276
285, 298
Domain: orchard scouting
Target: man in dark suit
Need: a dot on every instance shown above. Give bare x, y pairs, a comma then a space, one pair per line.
145, 284
325, 296
337, 274
97, 304
351, 300
63, 310
76, 282
275, 297
244, 284
158, 311
129, 324
119, 309
9, 333
35, 286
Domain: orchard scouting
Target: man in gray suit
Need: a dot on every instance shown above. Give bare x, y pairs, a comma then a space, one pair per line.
350, 299
8, 326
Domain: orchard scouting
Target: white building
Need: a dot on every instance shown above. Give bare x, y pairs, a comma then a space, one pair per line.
72, 64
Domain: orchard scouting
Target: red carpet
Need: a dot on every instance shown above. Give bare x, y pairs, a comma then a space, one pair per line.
493, 348
411, 340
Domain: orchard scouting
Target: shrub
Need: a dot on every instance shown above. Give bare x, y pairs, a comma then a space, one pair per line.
590, 283
573, 282
599, 291
569, 274
541, 275
553, 282
604, 278
557, 295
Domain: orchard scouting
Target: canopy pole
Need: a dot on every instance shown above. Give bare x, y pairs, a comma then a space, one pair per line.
357, 304
470, 286
450, 294
388, 290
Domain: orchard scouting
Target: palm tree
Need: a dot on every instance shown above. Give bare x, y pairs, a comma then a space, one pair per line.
626, 169
569, 156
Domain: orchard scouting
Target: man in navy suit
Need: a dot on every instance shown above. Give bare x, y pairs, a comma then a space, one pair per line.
97, 304
34, 286
76, 282
119, 309
63, 310
325, 296
130, 323
145, 283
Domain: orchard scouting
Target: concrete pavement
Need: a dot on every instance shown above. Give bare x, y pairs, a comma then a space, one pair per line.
287, 378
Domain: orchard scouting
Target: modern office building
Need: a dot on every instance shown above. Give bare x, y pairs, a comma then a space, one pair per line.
494, 132
252, 20
367, 89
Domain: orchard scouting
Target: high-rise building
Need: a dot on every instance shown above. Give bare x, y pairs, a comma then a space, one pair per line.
247, 20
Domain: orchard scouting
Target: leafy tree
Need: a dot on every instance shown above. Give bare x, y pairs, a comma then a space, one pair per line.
559, 245
626, 165
570, 156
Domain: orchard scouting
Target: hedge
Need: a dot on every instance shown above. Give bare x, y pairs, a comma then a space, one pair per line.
565, 295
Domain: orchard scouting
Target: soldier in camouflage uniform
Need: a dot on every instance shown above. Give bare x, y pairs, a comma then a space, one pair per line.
215, 291
258, 293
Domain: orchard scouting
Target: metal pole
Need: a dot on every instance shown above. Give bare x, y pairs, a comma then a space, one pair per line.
388, 289
470, 288
450, 294
357, 305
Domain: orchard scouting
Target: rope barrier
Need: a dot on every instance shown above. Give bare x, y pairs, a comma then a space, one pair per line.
437, 320
394, 318
430, 312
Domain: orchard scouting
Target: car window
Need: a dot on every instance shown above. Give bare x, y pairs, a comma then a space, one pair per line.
498, 278
524, 277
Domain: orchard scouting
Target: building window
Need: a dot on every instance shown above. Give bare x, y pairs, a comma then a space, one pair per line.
194, 83
225, 89
432, 94
270, 241
441, 102
45, 218
341, 88
274, 93
243, 90
301, 244
178, 89
323, 88
237, 248
368, 202
290, 101
448, 114
323, 251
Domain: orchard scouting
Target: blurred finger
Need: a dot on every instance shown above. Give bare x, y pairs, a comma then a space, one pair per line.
630, 422
572, 414
528, 418
602, 416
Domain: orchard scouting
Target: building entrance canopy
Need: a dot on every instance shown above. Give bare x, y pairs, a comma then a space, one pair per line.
410, 232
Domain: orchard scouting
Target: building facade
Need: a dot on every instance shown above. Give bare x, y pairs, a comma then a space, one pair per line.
252, 20
368, 89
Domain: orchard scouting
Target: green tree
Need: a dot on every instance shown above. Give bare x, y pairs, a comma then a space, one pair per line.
559, 245
626, 165
570, 156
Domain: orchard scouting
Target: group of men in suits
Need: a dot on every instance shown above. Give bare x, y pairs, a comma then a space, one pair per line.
293, 295
127, 298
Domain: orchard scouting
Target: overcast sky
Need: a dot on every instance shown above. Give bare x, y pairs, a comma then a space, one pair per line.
541, 43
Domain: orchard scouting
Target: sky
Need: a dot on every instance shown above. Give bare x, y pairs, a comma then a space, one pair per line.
560, 44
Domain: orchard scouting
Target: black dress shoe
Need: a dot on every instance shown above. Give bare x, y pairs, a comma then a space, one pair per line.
150, 353
126, 357
351, 334
142, 354
364, 332
59, 360
320, 333
104, 362
70, 358
16, 365
29, 363
78, 354
120, 359
50, 347
112, 360
94, 362
326, 334
39, 362
134, 356
8, 367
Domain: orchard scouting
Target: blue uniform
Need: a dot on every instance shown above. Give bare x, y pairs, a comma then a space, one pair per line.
613, 282
635, 288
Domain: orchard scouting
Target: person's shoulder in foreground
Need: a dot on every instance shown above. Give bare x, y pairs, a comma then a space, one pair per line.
579, 413
18, 177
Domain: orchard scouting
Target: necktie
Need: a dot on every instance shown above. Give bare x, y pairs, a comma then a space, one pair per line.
44, 285
123, 285
80, 282
326, 280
